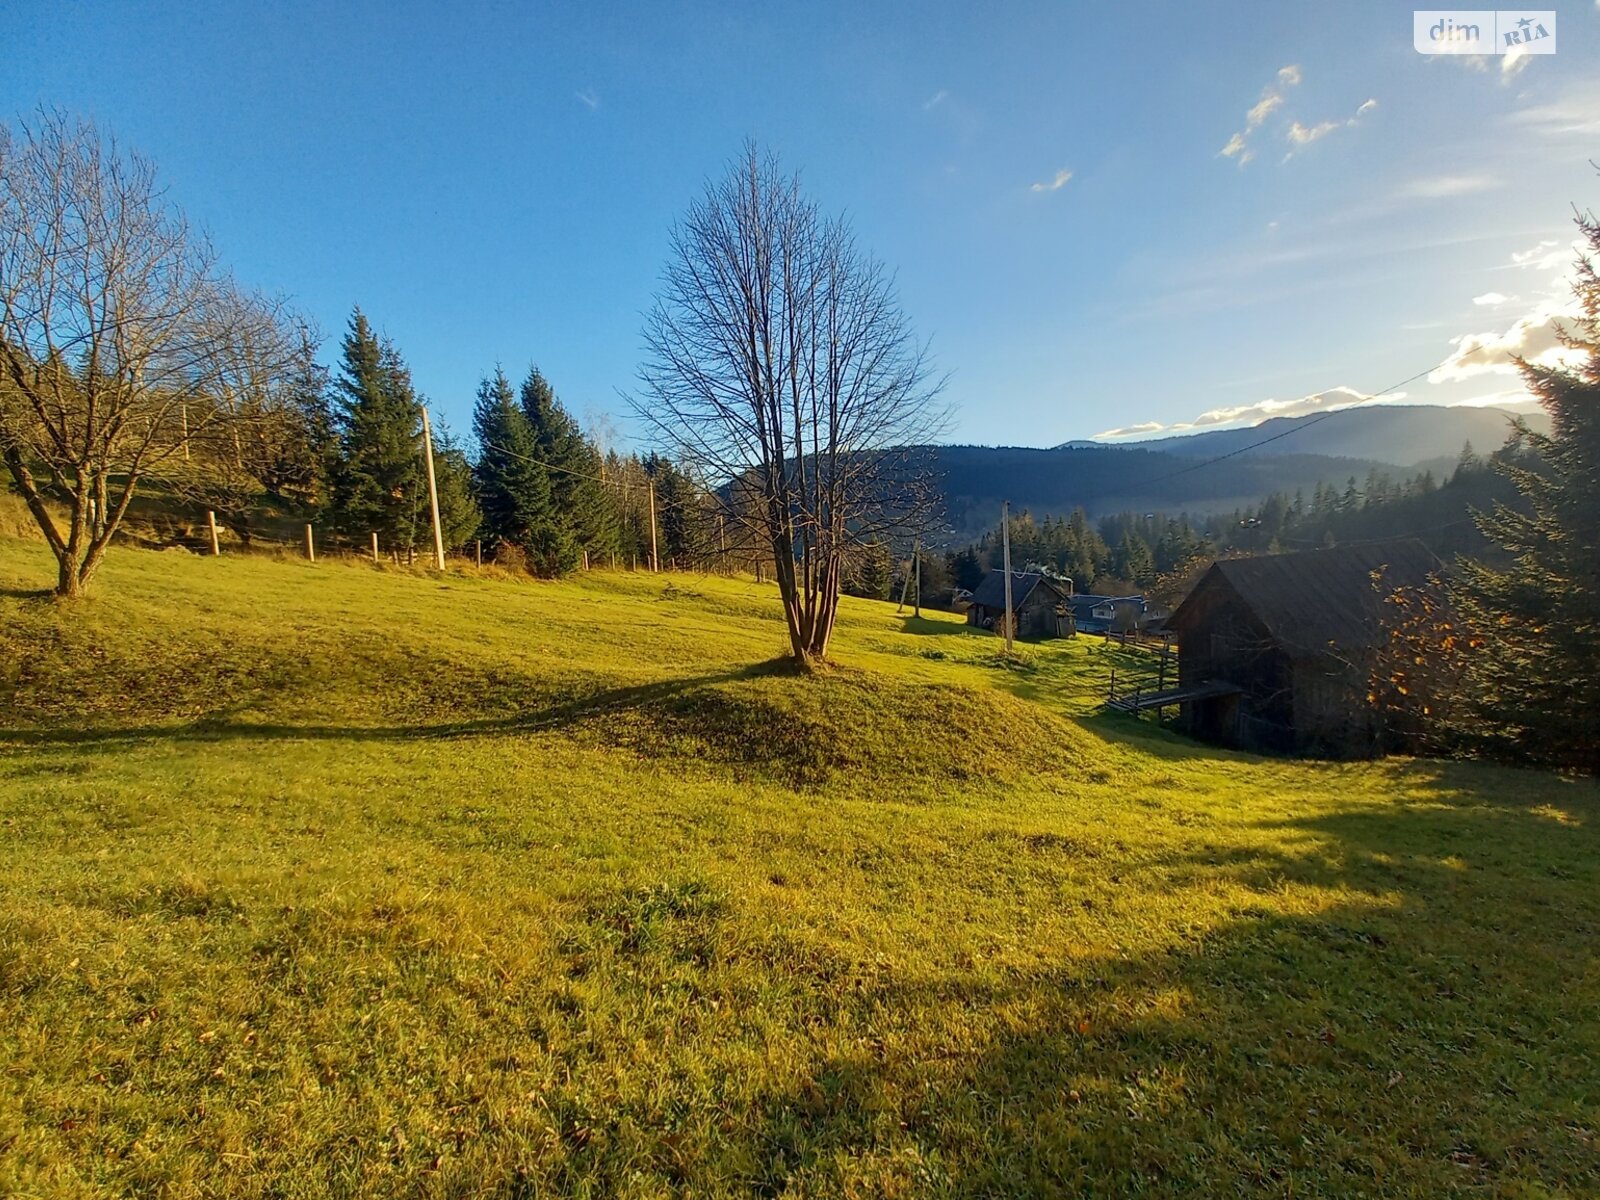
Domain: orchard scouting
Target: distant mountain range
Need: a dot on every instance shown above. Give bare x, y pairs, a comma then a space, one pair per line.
1404, 435
1176, 474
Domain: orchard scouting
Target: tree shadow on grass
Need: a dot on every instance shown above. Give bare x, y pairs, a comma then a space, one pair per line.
1400, 1001
221, 726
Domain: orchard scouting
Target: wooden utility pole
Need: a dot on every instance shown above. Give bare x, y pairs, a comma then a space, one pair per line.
655, 562
183, 413
916, 562
311, 548
211, 523
905, 588
433, 493
374, 545
1005, 542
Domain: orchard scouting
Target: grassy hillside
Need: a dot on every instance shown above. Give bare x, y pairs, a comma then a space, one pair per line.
332, 880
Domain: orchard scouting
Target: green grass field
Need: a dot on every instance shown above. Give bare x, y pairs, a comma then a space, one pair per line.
340, 881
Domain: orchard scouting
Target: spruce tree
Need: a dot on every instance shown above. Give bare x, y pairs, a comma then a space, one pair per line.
684, 533
513, 485
378, 483
1536, 679
584, 511
459, 515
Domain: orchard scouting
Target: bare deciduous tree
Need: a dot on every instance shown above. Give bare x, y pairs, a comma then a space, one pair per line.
779, 363
123, 344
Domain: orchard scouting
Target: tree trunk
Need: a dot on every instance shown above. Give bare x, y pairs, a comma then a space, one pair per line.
69, 584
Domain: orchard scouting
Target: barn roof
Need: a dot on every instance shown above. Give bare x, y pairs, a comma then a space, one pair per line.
1321, 597
991, 593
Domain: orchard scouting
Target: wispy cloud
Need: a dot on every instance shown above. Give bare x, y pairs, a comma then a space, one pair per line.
1575, 115
1513, 61
1060, 181
588, 97
1303, 135
1492, 299
1254, 414
1442, 187
1272, 96
1542, 257
935, 100
1299, 134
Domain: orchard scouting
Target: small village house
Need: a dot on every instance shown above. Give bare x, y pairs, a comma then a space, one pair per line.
1042, 605
1101, 614
1278, 650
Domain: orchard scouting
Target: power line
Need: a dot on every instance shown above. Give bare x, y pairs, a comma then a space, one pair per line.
1388, 537
1317, 420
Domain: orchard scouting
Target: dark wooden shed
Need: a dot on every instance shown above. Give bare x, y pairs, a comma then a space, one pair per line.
1295, 635
1041, 604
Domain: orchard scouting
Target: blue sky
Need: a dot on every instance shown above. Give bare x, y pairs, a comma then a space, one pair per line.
495, 182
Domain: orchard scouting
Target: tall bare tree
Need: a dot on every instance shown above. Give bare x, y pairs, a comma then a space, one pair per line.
123, 344
780, 365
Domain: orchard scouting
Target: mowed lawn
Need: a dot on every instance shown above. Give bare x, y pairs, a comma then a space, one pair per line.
342, 881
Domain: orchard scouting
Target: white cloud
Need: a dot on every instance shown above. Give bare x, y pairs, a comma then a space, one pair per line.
1442, 187
1535, 337
935, 100
1304, 135
1254, 414
1056, 184
1513, 61
1264, 108
589, 97
1271, 99
1542, 257
1492, 299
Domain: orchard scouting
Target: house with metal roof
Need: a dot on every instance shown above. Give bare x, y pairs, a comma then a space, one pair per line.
1097, 614
1278, 650
1040, 604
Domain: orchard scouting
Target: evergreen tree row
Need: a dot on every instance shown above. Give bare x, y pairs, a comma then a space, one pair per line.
539, 493
1136, 551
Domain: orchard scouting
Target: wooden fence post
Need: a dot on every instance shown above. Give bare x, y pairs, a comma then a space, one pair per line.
479, 551
374, 545
311, 549
211, 523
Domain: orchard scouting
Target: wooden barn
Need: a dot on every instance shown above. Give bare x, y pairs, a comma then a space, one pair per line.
1279, 647
1042, 605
